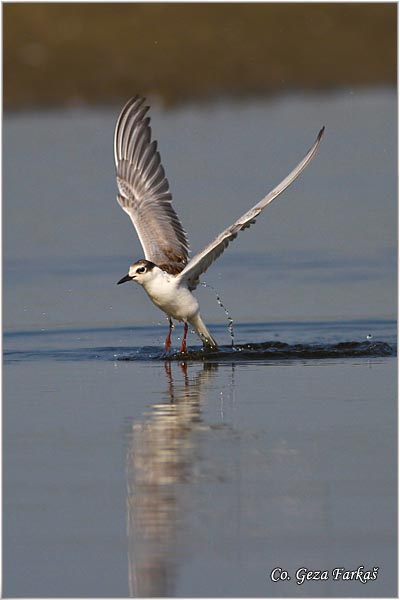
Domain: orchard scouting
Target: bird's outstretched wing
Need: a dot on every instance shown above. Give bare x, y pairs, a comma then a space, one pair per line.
144, 190
200, 263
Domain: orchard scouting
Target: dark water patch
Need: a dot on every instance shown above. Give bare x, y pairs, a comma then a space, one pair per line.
241, 352
283, 351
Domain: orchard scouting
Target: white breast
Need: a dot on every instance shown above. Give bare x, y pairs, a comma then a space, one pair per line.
174, 299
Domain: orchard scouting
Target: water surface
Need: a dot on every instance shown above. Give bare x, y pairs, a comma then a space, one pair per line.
139, 476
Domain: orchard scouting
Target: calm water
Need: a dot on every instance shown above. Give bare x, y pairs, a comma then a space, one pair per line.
125, 474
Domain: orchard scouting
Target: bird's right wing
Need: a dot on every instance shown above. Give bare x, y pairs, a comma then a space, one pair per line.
144, 190
200, 263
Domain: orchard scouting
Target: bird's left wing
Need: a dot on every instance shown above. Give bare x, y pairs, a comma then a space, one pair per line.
200, 263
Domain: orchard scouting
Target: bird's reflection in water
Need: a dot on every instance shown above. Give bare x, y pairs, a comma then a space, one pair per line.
160, 456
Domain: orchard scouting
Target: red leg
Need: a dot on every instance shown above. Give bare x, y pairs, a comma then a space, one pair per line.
183, 345
167, 345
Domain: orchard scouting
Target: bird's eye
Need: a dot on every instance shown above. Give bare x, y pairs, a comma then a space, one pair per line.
140, 270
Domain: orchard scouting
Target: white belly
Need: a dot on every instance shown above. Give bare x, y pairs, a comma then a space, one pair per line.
176, 302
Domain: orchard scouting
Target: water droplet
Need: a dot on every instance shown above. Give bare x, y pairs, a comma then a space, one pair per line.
369, 337
230, 320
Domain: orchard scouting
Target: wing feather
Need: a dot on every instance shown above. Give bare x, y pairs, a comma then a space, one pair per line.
144, 192
202, 261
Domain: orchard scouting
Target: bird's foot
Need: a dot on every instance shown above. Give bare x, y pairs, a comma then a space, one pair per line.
185, 332
167, 345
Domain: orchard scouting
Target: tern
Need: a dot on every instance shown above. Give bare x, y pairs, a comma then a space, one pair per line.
166, 273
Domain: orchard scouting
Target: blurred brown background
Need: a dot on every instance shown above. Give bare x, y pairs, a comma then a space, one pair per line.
60, 54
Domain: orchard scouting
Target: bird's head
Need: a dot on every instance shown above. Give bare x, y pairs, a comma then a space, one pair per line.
140, 272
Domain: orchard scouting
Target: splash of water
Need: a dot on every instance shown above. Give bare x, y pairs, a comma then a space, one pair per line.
226, 311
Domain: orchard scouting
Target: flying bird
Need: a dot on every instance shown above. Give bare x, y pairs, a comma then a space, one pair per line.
167, 274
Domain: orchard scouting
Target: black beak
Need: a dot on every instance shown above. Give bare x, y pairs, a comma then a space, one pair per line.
126, 278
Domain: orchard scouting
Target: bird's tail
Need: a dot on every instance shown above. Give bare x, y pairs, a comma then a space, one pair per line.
203, 333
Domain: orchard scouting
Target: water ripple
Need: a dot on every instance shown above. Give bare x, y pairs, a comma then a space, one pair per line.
242, 352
